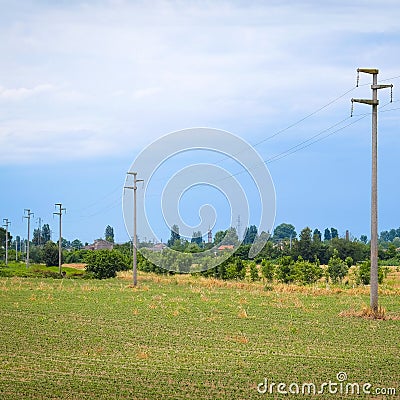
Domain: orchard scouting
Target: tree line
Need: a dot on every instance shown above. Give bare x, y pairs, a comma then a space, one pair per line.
286, 256
42, 247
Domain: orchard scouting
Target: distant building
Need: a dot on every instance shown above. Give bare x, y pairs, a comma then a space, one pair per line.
226, 247
158, 247
100, 244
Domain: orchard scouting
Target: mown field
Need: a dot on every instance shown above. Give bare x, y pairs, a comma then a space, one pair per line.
181, 337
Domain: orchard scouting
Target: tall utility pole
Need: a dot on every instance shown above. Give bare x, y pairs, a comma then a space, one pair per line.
6, 223
374, 181
134, 239
239, 228
59, 213
40, 232
28, 217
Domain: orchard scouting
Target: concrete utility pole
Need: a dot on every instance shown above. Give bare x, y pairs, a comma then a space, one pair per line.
134, 239
374, 181
239, 228
59, 213
40, 232
6, 223
28, 217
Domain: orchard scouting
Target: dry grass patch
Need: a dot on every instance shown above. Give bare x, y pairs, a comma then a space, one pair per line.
79, 266
242, 313
368, 313
242, 339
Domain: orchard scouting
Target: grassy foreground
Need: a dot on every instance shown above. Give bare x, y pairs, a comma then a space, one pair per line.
182, 337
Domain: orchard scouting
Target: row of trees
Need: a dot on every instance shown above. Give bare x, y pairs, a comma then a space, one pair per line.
285, 269
227, 237
40, 238
309, 244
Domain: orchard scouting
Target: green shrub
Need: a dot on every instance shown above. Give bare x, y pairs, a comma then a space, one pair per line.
231, 271
337, 268
105, 263
349, 261
363, 275
254, 276
241, 268
50, 254
75, 256
285, 270
307, 272
267, 270
221, 271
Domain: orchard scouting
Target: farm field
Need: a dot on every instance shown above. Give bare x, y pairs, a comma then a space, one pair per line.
182, 337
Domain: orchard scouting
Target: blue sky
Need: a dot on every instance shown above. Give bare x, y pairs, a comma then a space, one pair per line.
86, 86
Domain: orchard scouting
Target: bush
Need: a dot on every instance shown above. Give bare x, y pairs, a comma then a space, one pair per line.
267, 270
349, 262
75, 256
285, 270
337, 269
231, 271
307, 272
363, 275
241, 268
105, 263
254, 276
36, 254
50, 254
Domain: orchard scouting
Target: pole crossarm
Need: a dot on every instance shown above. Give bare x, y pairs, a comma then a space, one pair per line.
381, 86
368, 70
366, 101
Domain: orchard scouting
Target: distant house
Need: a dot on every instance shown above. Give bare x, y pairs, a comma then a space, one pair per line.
158, 247
100, 244
226, 247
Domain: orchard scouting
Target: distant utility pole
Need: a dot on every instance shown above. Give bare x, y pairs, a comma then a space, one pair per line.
28, 217
59, 213
374, 181
239, 228
134, 239
16, 250
40, 232
6, 223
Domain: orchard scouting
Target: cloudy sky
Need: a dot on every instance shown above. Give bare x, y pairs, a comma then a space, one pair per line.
85, 86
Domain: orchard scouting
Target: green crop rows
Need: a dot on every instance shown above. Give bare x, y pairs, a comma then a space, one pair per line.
77, 339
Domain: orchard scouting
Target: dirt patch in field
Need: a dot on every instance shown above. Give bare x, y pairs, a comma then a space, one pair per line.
79, 266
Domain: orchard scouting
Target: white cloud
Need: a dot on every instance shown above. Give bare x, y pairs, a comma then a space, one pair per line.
21, 93
136, 69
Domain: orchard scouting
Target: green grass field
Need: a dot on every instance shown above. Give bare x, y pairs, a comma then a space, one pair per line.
181, 337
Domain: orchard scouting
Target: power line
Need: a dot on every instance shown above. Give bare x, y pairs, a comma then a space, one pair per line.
299, 146
298, 122
306, 117
105, 196
288, 152
310, 115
